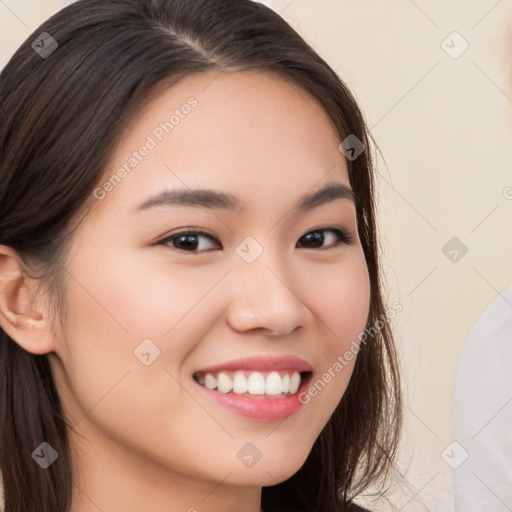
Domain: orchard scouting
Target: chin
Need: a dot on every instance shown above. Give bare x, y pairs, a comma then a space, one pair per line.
271, 471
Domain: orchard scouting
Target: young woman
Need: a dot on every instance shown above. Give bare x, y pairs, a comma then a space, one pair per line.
191, 306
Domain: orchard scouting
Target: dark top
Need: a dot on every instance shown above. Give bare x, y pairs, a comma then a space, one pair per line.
357, 508
353, 508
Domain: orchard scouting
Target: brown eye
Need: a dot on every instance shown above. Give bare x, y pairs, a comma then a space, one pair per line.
316, 238
188, 241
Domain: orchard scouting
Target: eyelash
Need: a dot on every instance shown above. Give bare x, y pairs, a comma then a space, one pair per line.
344, 238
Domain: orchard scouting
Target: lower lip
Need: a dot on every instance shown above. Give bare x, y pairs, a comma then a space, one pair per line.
260, 408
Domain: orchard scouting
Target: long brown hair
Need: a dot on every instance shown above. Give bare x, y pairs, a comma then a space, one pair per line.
62, 114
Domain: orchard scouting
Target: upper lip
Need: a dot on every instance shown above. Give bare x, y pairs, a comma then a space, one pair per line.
261, 363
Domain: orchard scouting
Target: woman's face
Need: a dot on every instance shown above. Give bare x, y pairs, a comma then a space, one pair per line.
263, 280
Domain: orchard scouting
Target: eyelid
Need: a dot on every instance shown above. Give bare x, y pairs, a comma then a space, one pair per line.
200, 231
183, 231
334, 227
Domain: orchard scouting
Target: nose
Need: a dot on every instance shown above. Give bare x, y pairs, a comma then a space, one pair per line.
267, 295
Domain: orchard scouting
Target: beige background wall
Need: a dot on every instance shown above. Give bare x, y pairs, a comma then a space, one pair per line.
443, 125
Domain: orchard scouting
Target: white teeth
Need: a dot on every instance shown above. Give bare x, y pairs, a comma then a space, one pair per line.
294, 382
273, 386
210, 381
285, 383
256, 384
224, 383
239, 384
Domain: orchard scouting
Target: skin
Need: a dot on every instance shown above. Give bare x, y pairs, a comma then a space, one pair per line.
146, 437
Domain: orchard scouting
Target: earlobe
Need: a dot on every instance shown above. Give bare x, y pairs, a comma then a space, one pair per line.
21, 317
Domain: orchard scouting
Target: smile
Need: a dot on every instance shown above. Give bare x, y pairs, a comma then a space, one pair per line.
253, 383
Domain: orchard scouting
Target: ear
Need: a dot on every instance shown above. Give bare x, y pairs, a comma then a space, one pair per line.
21, 317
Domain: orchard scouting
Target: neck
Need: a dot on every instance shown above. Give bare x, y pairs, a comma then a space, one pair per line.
112, 478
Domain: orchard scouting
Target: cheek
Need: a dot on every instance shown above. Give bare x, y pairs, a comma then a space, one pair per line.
109, 316
116, 309
343, 300
144, 295
341, 294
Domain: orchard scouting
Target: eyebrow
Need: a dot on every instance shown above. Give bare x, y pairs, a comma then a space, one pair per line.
207, 198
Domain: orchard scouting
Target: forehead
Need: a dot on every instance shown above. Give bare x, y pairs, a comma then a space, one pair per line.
255, 135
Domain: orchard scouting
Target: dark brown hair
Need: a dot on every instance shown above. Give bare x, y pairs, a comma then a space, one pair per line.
62, 115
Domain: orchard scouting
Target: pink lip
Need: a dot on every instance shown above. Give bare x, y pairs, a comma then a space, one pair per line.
260, 408
262, 363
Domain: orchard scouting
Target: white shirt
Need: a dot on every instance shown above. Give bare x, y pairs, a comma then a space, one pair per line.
482, 413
